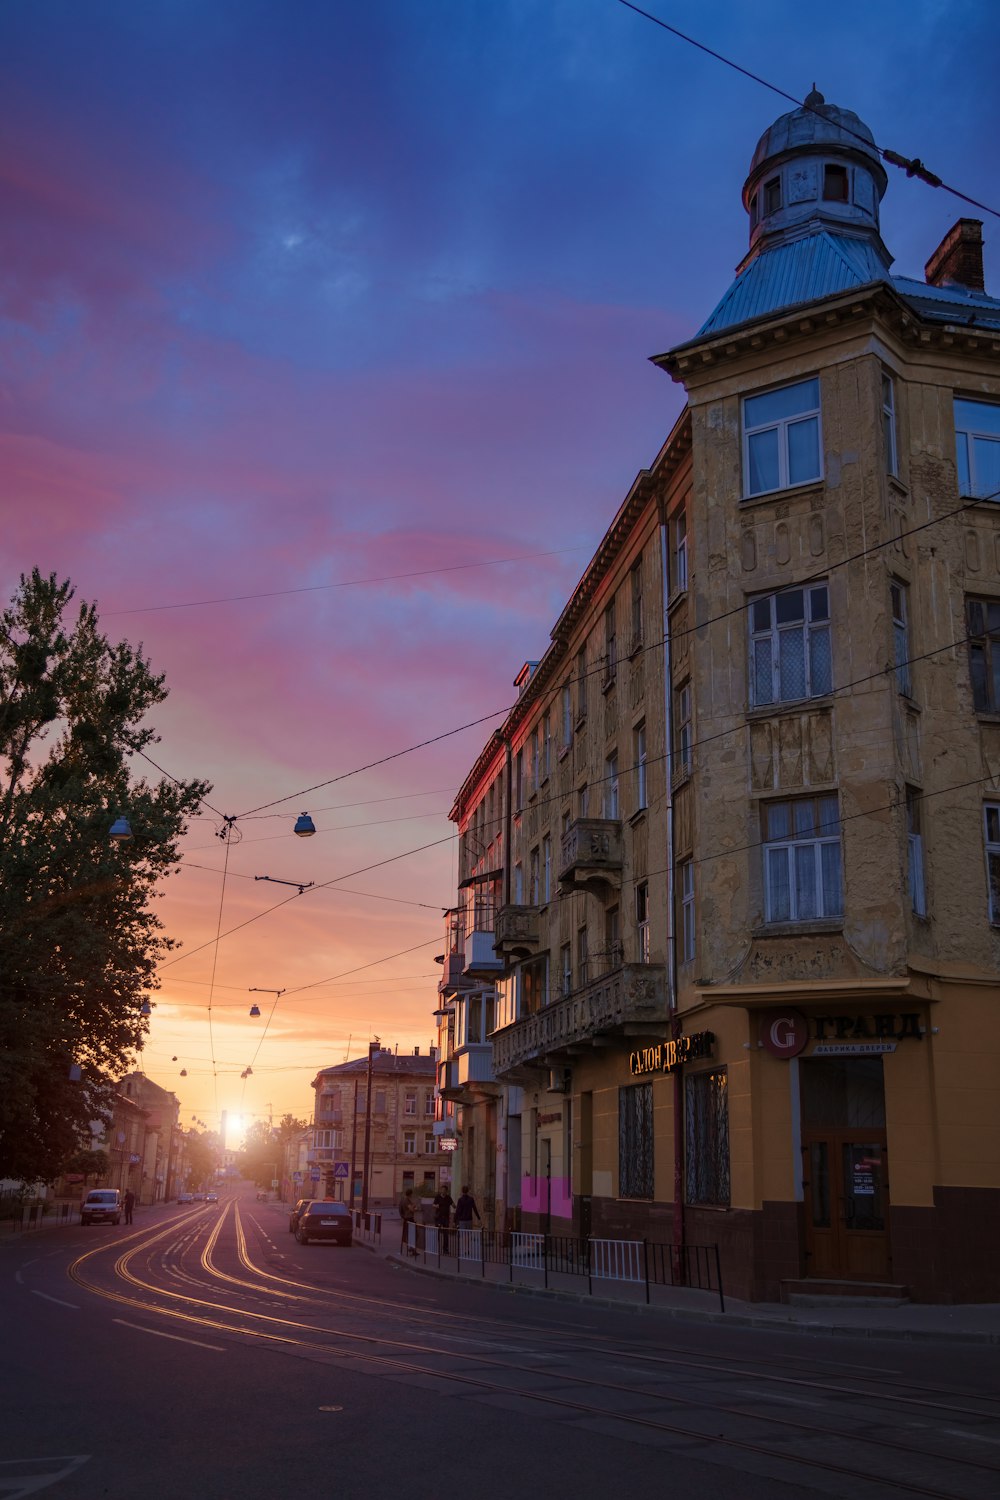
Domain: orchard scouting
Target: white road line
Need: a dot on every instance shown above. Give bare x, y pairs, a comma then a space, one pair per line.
158, 1333
73, 1305
16, 1485
19, 1278
965, 1432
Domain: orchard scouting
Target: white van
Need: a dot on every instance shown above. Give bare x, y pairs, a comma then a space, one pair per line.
101, 1206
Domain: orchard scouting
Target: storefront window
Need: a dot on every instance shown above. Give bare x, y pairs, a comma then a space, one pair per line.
635, 1141
706, 1106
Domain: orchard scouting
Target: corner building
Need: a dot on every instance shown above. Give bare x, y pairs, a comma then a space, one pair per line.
750, 925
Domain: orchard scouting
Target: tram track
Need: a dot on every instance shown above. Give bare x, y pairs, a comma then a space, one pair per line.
408, 1357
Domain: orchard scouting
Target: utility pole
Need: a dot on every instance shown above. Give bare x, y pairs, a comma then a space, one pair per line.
354, 1140
373, 1048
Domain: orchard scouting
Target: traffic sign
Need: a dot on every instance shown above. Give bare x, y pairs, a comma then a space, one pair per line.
314, 1174
341, 1169
296, 1176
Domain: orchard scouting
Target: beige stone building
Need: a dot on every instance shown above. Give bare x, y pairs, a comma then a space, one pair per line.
746, 888
402, 1148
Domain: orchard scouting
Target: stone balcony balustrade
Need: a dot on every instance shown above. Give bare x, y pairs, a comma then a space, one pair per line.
591, 855
628, 1002
515, 934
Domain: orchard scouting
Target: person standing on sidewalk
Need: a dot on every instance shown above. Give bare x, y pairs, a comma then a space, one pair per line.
443, 1205
407, 1216
465, 1208
128, 1203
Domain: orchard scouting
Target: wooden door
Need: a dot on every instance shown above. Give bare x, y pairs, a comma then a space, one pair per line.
846, 1185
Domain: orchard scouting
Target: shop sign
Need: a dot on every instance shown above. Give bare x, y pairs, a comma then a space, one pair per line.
862, 1028
447, 1142
664, 1057
783, 1033
550, 1117
853, 1049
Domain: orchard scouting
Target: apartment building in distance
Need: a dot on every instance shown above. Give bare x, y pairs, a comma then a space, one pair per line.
747, 903
402, 1149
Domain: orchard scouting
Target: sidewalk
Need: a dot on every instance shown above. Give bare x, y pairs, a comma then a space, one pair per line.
977, 1323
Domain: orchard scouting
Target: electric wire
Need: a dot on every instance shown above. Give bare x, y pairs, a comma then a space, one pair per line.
346, 583
913, 166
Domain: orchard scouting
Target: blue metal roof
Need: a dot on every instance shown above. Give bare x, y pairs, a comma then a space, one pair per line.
949, 304
799, 270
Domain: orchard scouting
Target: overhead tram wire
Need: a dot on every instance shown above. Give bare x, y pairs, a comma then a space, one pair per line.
346, 583
324, 885
725, 614
912, 166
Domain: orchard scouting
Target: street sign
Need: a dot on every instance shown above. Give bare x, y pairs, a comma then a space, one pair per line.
314, 1174
296, 1176
341, 1169
447, 1143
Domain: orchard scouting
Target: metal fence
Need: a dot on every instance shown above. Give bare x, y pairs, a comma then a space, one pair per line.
19, 1217
367, 1226
639, 1263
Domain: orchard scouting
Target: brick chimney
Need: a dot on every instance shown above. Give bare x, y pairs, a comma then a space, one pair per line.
958, 260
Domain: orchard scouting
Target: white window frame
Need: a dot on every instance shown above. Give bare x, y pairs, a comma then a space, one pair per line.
686, 870
409, 1143
680, 580
899, 605
641, 783
889, 428
782, 426
410, 1102
915, 853
430, 1143
966, 437
809, 625
683, 731
610, 798
787, 852
991, 839
642, 919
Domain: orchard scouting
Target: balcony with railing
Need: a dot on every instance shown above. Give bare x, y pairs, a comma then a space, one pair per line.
515, 933
624, 1002
591, 855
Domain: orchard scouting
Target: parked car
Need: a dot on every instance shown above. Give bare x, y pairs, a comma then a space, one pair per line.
197, 1197
211, 1197
185, 1198
101, 1206
293, 1217
325, 1219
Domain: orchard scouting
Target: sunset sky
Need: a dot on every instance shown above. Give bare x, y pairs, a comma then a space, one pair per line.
323, 369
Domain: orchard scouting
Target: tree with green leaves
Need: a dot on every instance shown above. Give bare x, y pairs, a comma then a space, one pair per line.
79, 939
263, 1152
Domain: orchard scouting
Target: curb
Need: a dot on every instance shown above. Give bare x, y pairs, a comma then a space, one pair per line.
761, 1322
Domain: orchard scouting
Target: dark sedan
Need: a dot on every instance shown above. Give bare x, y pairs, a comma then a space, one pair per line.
293, 1217
325, 1220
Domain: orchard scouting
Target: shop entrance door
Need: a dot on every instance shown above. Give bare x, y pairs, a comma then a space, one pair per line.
846, 1198
845, 1169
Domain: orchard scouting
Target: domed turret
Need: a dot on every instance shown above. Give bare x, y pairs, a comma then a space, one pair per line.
815, 167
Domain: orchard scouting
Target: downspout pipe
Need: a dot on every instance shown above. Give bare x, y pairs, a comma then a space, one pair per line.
675, 1024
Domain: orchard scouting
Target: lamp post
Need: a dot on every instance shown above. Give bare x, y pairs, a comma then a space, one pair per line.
373, 1048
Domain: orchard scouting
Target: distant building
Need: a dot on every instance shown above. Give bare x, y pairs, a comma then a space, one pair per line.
402, 1145
161, 1110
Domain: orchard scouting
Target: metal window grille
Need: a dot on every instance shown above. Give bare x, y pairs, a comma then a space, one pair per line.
635, 1141
707, 1137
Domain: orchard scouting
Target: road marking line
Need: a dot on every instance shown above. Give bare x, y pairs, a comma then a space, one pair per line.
74, 1305
964, 1432
157, 1333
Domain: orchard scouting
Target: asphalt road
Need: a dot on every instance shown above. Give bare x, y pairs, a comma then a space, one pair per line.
202, 1353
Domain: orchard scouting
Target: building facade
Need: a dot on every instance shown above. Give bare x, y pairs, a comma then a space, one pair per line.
751, 915
399, 1125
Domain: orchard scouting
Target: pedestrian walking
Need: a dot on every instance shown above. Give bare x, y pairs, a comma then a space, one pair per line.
464, 1210
128, 1203
407, 1216
443, 1205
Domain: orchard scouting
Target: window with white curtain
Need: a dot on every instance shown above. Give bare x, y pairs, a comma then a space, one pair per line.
790, 647
802, 860
977, 448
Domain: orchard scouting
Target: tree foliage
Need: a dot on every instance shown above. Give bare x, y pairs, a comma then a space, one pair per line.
263, 1151
79, 939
